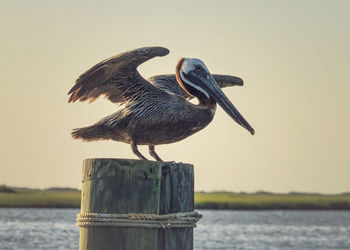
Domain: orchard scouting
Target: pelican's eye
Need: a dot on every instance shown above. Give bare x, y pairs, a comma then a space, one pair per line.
197, 67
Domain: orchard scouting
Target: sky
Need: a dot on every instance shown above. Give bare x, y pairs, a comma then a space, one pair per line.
293, 56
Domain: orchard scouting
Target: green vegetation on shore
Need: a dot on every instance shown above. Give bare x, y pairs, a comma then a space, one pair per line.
257, 201
70, 198
49, 198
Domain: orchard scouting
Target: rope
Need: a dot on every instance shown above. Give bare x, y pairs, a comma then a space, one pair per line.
152, 221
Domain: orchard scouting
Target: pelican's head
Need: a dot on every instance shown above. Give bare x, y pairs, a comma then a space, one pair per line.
194, 77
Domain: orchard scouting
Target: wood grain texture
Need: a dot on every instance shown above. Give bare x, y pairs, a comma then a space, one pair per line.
177, 195
119, 186
136, 186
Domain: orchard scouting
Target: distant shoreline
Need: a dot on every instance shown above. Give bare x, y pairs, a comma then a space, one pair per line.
70, 198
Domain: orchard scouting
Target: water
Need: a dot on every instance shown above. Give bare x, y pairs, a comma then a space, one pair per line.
273, 230
56, 229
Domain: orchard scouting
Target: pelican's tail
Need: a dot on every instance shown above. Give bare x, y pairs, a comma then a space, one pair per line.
91, 133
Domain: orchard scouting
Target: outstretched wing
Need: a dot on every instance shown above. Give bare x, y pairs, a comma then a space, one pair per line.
116, 77
169, 83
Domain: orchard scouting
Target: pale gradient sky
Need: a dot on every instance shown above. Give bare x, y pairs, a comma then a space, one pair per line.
294, 57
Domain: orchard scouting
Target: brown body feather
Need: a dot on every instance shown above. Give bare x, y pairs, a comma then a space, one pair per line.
92, 133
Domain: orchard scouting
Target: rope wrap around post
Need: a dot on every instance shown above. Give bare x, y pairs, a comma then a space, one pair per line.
134, 204
178, 220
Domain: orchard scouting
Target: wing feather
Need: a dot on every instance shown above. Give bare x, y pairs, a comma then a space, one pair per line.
116, 77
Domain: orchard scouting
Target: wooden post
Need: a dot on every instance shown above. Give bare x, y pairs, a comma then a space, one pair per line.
134, 186
177, 195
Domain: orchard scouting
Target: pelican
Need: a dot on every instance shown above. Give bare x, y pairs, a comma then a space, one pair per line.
154, 111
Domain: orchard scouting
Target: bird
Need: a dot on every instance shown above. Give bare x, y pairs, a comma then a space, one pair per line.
154, 111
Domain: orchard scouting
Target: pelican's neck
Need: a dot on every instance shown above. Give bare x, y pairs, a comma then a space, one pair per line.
205, 107
204, 101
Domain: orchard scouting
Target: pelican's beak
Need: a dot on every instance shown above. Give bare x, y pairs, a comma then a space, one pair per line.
213, 89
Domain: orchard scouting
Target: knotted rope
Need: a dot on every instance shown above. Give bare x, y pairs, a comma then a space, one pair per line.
153, 221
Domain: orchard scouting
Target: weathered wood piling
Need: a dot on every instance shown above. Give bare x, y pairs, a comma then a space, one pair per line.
120, 186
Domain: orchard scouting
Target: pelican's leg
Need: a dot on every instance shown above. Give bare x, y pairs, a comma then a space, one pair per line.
136, 152
153, 153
